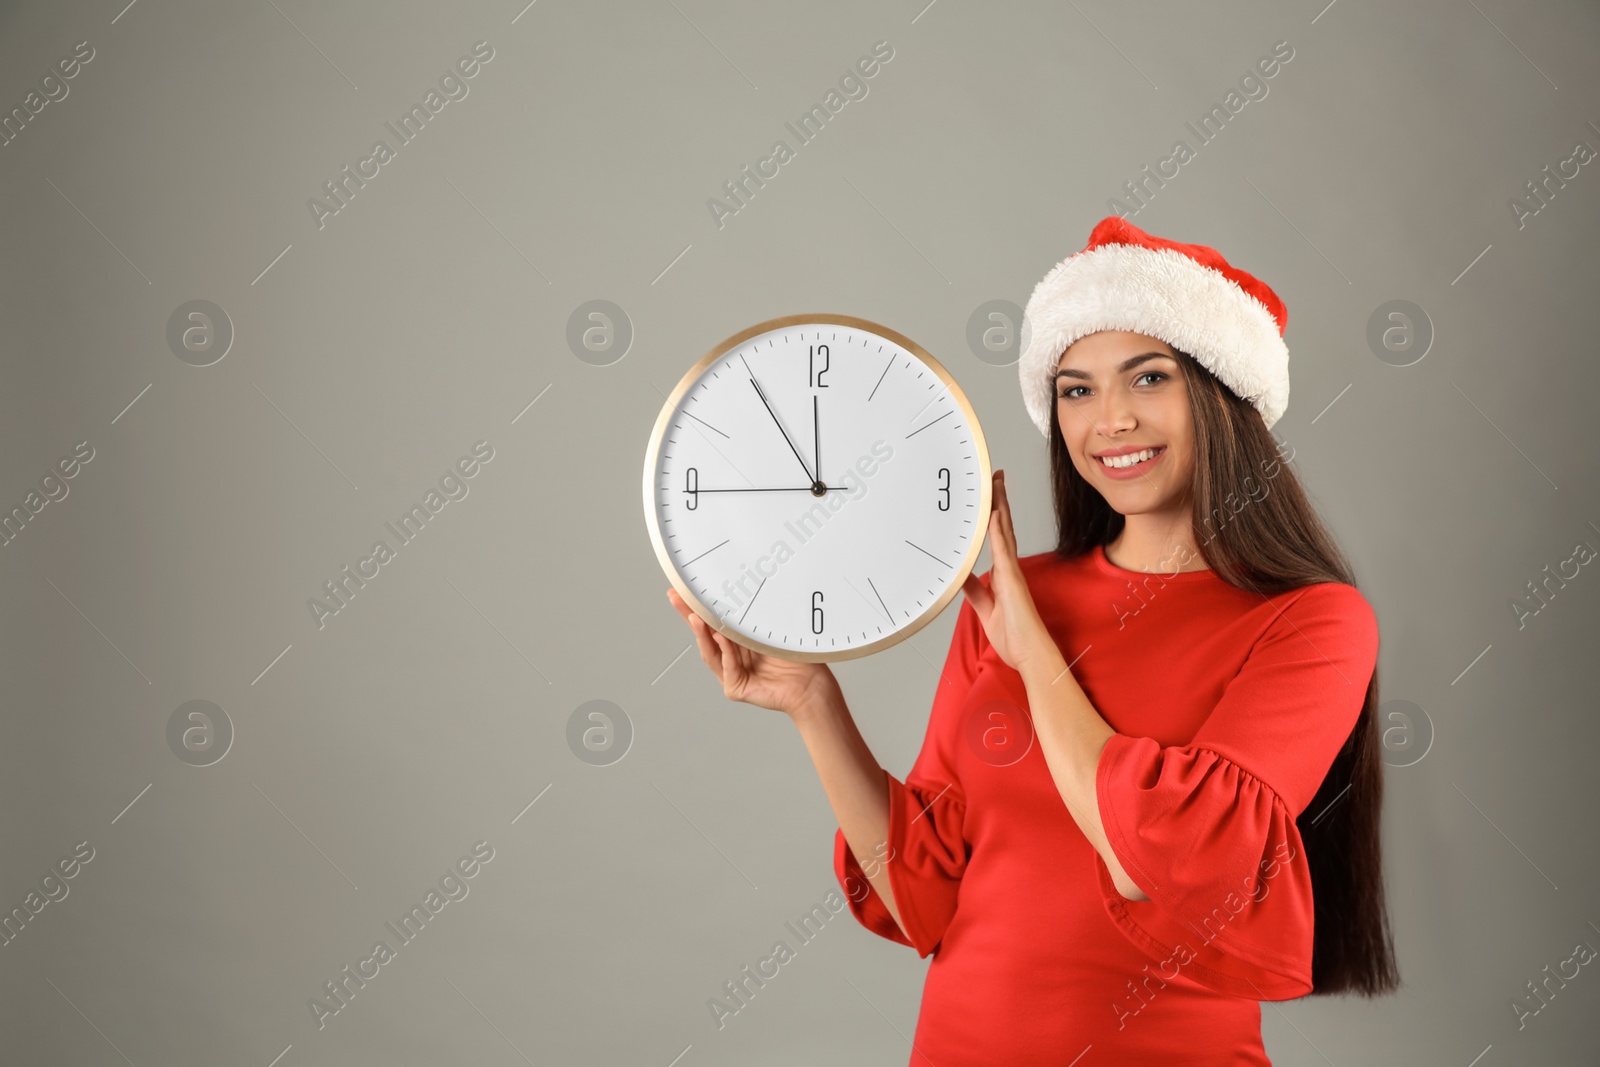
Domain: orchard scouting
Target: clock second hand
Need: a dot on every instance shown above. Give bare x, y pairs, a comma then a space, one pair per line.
781, 430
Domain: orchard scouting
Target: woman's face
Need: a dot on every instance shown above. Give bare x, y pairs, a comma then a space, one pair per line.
1119, 392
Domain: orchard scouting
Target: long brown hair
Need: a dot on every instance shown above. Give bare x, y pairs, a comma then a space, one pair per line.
1275, 544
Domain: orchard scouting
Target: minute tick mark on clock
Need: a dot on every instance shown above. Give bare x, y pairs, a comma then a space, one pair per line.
708, 551
667, 454
925, 425
886, 612
704, 423
925, 552
879, 382
932, 400
753, 596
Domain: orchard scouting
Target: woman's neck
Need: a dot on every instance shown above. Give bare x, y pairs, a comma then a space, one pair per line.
1156, 542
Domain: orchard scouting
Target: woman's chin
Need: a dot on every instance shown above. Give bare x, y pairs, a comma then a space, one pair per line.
1137, 499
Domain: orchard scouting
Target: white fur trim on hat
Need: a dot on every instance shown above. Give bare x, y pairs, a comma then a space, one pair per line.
1163, 294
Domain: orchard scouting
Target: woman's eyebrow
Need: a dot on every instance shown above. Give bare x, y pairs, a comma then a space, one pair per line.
1127, 364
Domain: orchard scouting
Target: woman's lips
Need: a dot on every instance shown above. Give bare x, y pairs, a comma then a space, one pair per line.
1135, 471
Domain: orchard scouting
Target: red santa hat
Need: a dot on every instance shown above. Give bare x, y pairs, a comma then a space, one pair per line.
1185, 295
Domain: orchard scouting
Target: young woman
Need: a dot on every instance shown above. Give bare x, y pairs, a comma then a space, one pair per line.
1148, 796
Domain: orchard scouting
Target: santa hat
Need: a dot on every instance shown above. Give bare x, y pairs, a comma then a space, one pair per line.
1185, 295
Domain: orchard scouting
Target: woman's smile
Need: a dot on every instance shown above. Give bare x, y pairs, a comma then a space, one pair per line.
1122, 464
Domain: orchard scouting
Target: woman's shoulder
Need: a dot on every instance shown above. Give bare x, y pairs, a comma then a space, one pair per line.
1331, 598
1334, 611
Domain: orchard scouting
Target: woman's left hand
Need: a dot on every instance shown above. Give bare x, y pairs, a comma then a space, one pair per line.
1010, 618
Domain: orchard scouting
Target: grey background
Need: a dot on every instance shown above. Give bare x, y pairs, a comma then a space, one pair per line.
428, 714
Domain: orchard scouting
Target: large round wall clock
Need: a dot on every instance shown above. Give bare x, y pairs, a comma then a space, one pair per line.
817, 487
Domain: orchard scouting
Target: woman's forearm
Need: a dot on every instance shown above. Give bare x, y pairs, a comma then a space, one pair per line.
856, 787
1071, 736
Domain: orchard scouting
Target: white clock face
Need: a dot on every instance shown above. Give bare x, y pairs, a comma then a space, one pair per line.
819, 485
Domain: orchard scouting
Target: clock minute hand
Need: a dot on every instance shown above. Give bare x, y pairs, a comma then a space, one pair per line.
816, 435
809, 479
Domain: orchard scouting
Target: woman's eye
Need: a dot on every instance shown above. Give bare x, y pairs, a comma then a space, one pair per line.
1159, 376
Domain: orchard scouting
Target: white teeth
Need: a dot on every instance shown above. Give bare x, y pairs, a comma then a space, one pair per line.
1130, 459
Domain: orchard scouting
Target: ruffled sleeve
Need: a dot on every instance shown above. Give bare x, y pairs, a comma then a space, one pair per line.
926, 850
1207, 830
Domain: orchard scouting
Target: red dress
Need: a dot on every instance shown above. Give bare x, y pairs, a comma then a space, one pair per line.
1229, 708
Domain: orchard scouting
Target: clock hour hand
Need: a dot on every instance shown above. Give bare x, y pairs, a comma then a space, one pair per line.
809, 479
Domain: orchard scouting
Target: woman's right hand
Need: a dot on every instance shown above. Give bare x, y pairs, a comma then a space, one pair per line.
753, 677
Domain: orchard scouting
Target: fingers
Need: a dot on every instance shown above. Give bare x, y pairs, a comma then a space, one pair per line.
732, 667
703, 636
710, 652
1005, 511
1004, 548
999, 547
996, 549
1002, 555
982, 597
719, 652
